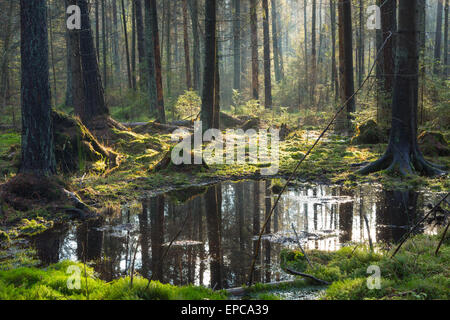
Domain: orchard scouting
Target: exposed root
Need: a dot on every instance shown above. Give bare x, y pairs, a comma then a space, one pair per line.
403, 164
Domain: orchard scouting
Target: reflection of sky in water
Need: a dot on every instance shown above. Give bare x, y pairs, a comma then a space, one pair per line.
324, 218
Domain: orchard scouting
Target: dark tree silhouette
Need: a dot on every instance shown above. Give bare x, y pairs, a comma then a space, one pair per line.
267, 73
403, 155
209, 76
254, 46
38, 155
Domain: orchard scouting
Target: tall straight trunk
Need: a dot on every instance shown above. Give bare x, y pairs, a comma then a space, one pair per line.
334, 75
168, 49
237, 44
267, 72
161, 116
305, 60
38, 156
140, 44
209, 74
94, 96
421, 4
52, 55
133, 45
115, 43
187, 59
150, 56
69, 95
216, 116
403, 155
438, 39
275, 42
313, 55
127, 50
73, 51
4, 74
193, 5
97, 28
446, 40
105, 66
254, 46
361, 43
388, 24
343, 123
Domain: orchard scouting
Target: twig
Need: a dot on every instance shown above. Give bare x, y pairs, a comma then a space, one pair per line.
305, 275
252, 268
417, 224
442, 239
301, 248
132, 263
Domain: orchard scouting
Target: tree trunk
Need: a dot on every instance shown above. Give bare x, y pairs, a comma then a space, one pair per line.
361, 43
105, 79
115, 46
403, 155
4, 74
127, 50
168, 49
446, 40
97, 28
267, 72
187, 59
196, 43
313, 55
388, 24
161, 116
275, 42
305, 59
133, 45
38, 155
254, 45
140, 44
77, 86
343, 122
237, 44
153, 97
334, 75
438, 39
209, 76
94, 96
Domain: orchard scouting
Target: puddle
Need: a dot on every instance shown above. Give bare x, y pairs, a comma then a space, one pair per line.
217, 239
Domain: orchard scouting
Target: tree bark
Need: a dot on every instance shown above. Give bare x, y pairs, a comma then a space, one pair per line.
275, 42
187, 58
193, 5
237, 44
38, 155
438, 39
140, 44
267, 72
127, 50
334, 74
94, 96
254, 46
403, 155
207, 111
343, 122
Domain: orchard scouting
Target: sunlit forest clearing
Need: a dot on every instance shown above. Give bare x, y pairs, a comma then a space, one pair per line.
97, 96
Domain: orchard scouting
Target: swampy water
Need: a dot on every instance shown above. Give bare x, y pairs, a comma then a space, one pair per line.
213, 232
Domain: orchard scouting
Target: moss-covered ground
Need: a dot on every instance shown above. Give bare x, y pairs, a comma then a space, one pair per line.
415, 272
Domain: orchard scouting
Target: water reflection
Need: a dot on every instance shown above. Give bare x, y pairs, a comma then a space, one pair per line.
215, 232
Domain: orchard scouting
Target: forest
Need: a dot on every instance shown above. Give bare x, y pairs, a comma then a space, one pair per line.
224, 149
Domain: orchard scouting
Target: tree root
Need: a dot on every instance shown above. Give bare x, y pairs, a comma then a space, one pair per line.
403, 164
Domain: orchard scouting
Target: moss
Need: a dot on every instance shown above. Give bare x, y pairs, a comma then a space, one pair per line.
51, 283
415, 272
34, 227
4, 239
369, 133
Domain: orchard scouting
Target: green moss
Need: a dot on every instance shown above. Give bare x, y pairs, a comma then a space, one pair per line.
52, 284
415, 272
34, 227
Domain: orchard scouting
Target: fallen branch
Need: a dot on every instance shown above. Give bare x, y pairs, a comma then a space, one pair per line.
305, 275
